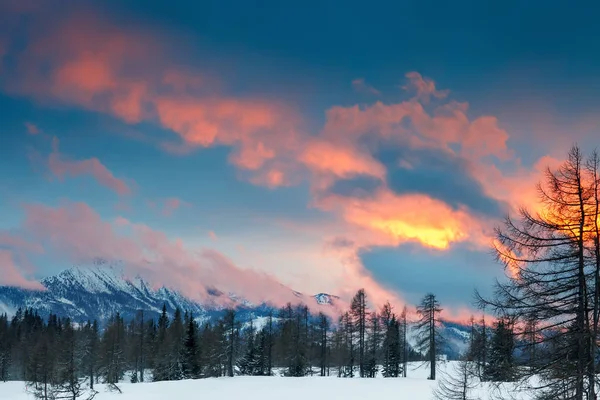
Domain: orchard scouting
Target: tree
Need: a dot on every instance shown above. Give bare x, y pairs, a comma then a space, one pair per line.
270, 342
112, 351
456, 385
68, 384
229, 320
501, 366
374, 344
391, 342
358, 310
403, 327
349, 329
429, 331
5, 347
191, 357
161, 362
552, 271
323, 330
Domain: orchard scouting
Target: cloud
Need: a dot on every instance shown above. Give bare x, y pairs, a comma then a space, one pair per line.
83, 60
11, 273
172, 204
444, 188
213, 235
31, 128
361, 86
77, 232
424, 87
60, 166
14, 263
408, 218
342, 162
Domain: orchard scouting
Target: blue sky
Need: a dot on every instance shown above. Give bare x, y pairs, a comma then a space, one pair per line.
326, 147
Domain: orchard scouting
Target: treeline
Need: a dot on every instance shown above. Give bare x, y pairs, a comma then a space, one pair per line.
55, 355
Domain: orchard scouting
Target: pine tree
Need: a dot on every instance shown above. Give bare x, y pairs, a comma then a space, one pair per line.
5, 347
404, 350
501, 366
429, 331
230, 328
323, 330
191, 357
358, 310
374, 344
161, 360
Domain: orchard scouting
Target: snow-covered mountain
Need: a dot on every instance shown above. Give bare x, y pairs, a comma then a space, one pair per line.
100, 290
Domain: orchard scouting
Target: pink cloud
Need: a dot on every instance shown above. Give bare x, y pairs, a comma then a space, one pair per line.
12, 241
171, 205
361, 86
213, 235
62, 167
86, 61
424, 87
11, 274
128, 73
78, 232
31, 128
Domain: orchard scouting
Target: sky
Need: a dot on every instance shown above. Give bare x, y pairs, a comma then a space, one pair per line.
260, 146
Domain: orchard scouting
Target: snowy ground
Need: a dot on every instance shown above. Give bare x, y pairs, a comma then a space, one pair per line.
415, 387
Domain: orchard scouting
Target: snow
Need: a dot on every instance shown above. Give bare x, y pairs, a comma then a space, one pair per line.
415, 387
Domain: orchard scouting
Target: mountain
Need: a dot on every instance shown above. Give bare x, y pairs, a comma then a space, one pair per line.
100, 290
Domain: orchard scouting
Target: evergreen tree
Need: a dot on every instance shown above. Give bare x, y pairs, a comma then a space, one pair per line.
323, 330
5, 347
501, 366
230, 328
429, 331
191, 357
358, 310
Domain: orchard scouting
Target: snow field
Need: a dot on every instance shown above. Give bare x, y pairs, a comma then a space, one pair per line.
415, 387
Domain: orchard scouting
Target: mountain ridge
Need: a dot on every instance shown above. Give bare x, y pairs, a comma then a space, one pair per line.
101, 289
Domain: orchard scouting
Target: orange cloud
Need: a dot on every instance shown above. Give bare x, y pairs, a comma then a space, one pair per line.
322, 156
410, 218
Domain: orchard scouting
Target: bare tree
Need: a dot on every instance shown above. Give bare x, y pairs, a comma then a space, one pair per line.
458, 384
552, 261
